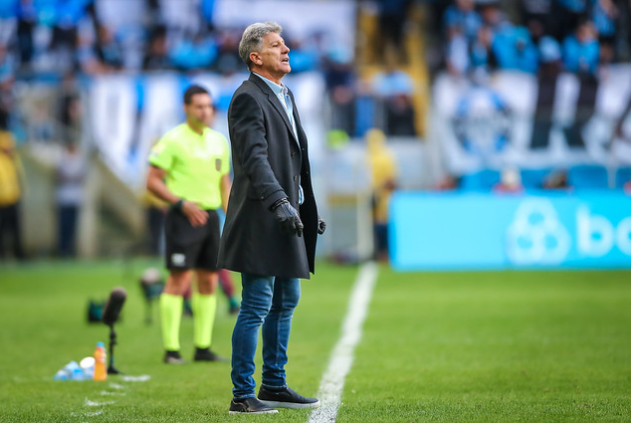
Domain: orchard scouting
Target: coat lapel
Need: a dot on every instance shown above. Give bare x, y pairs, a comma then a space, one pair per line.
302, 137
277, 104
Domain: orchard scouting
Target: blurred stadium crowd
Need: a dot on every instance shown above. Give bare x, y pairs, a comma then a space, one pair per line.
414, 70
97, 36
580, 34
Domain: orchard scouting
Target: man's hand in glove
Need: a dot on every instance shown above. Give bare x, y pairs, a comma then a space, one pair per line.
321, 226
288, 217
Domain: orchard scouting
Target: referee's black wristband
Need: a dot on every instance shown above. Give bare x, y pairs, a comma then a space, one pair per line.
178, 205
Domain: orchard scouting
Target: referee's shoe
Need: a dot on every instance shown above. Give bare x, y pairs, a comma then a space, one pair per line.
173, 357
205, 354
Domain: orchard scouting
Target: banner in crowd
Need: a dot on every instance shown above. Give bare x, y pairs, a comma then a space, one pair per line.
129, 114
466, 231
522, 120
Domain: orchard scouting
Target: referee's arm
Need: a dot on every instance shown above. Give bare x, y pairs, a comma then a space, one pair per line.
226, 186
156, 185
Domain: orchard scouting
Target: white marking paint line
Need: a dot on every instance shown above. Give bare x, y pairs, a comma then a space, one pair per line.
89, 403
107, 393
141, 378
332, 384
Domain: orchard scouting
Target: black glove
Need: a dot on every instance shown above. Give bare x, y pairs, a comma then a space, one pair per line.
321, 226
287, 217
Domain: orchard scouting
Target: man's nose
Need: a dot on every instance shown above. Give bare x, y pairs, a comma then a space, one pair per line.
286, 50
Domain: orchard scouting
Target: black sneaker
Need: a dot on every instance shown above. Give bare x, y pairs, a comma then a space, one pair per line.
250, 406
173, 357
286, 398
205, 354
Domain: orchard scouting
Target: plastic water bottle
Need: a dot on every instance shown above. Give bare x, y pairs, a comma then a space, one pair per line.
70, 371
100, 369
87, 365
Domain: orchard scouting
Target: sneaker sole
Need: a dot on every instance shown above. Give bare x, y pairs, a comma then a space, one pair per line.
293, 405
253, 412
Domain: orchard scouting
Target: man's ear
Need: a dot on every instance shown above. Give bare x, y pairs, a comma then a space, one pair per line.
255, 57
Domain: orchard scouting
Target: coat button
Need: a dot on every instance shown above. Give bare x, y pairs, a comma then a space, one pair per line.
293, 154
295, 177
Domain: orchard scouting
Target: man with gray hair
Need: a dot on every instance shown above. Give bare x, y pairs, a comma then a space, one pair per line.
272, 221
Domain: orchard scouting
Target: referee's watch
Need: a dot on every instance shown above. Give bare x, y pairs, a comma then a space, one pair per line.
178, 204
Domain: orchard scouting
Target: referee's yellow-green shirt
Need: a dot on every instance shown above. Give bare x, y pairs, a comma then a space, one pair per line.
194, 164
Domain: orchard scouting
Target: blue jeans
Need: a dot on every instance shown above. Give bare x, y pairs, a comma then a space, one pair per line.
267, 301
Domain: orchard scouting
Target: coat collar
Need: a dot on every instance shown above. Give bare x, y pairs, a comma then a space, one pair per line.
271, 96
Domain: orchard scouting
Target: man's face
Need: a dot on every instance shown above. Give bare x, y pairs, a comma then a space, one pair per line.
273, 57
200, 111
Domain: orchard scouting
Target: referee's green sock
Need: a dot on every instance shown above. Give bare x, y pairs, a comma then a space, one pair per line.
171, 314
204, 310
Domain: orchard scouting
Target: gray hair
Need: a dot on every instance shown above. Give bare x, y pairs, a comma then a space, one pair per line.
252, 39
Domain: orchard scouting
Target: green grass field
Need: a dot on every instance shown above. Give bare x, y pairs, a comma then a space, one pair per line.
504, 346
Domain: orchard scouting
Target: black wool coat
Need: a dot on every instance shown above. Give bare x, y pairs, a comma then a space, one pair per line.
269, 164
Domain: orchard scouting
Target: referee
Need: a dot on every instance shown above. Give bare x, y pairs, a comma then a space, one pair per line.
189, 169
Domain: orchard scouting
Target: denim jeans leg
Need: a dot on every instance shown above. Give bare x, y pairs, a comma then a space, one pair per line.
256, 302
276, 331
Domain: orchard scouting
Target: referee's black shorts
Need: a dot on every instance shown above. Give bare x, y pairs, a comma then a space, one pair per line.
189, 247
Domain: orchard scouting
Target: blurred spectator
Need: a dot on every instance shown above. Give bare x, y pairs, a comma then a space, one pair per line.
400, 116
514, 50
394, 88
69, 108
568, 14
339, 78
510, 181
462, 15
303, 56
228, 60
482, 55
7, 65
384, 175
537, 13
87, 59
392, 22
391, 82
604, 15
108, 50
448, 183
64, 16
8, 20
207, 9
11, 178
457, 55
192, 53
41, 126
6, 88
71, 172
27, 19
366, 116
156, 55
581, 51
556, 180
494, 18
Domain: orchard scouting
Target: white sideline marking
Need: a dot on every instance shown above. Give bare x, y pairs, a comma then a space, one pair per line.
332, 383
89, 403
141, 378
107, 393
